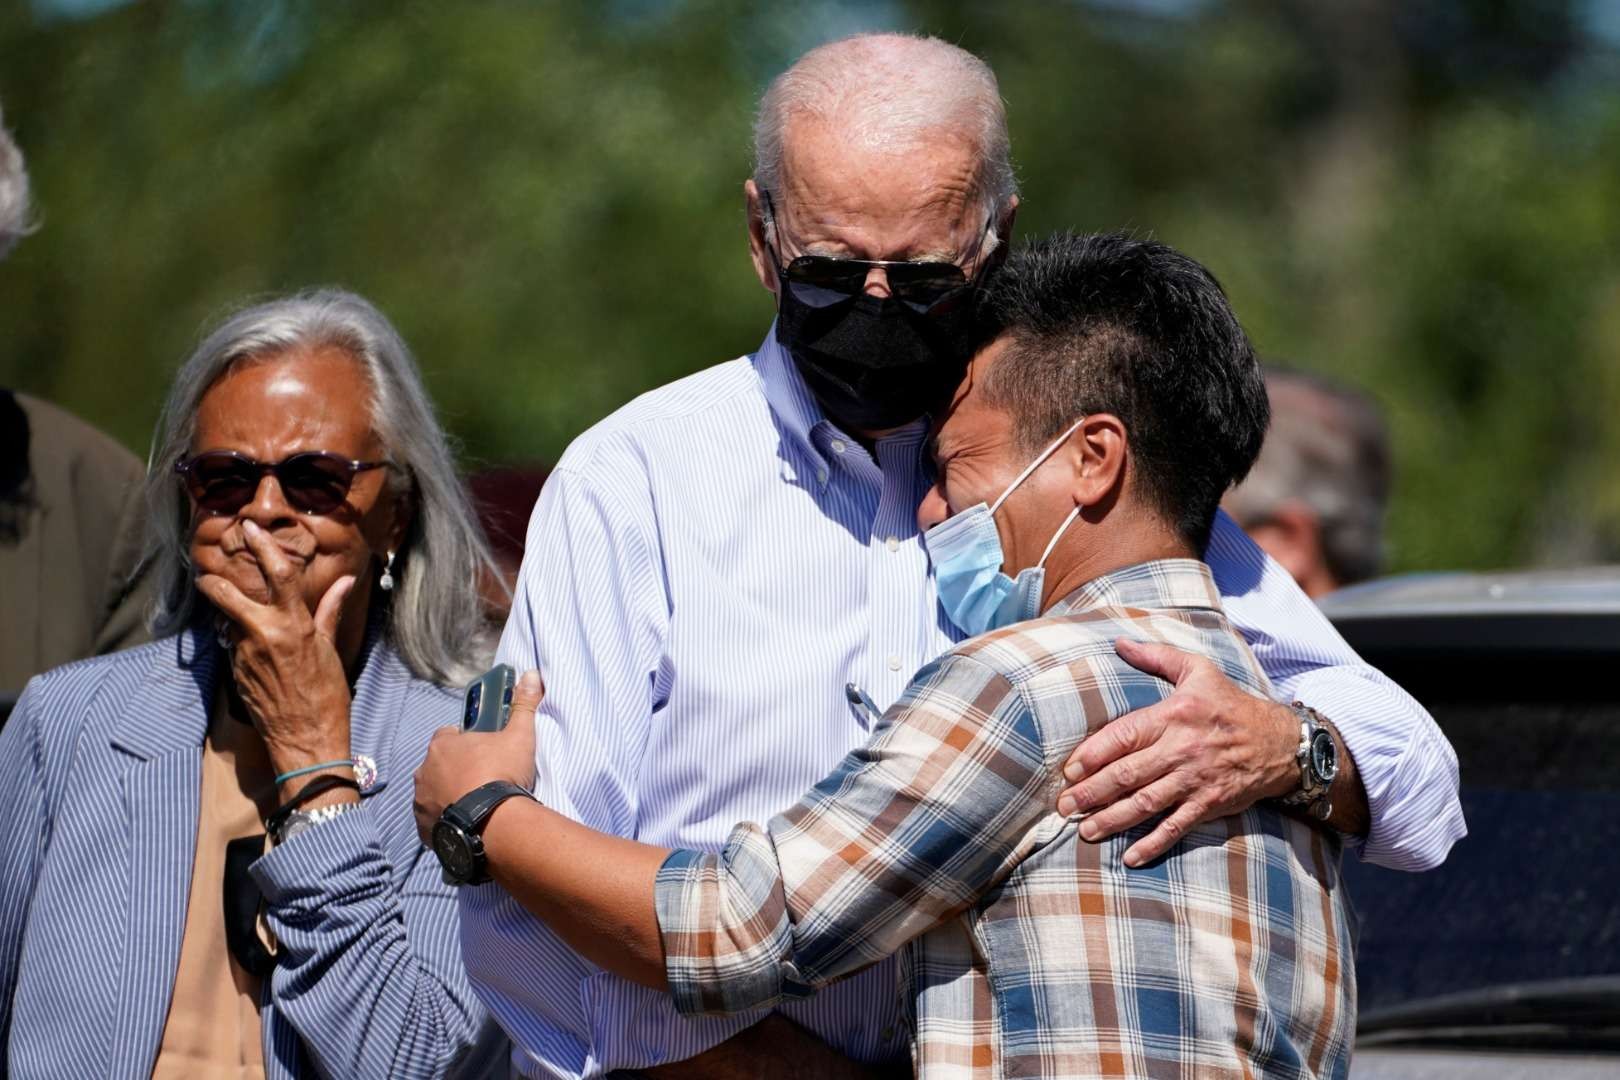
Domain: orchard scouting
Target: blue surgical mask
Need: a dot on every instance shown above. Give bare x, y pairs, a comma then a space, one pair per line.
965, 550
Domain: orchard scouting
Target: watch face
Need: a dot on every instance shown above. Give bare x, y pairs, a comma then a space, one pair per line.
296, 823
455, 854
1324, 756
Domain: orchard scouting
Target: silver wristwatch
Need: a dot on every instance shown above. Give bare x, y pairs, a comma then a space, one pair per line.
1318, 759
301, 820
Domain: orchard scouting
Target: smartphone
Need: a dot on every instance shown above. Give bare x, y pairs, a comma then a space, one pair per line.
488, 702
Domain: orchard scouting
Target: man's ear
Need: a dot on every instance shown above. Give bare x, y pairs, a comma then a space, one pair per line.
1004, 229
758, 251
1098, 450
1006, 224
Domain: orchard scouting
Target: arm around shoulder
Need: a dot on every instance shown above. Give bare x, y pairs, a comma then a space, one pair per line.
1407, 767
904, 834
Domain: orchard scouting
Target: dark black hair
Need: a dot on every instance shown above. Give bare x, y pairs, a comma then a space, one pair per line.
1107, 323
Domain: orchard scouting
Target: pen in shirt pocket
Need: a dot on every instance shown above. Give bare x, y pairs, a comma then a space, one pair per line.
862, 705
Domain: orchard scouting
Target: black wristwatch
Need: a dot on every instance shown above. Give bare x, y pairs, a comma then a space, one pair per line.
456, 839
1318, 759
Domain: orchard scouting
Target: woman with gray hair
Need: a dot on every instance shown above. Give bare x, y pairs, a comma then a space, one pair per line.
210, 867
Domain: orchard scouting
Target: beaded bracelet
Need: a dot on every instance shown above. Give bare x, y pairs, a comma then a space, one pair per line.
307, 769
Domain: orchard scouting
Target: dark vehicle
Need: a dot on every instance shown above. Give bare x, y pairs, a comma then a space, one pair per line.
1505, 962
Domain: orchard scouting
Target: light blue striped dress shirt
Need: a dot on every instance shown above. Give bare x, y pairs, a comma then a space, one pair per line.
706, 569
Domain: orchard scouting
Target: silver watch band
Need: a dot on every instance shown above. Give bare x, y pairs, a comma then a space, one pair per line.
302, 820
1312, 793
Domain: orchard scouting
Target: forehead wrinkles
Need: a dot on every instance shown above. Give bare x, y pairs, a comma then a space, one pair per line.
890, 201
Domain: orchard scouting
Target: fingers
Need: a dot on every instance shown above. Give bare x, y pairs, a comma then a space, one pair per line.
228, 599
1134, 807
280, 575
1116, 780
329, 612
527, 694
424, 805
526, 697
1130, 733
1188, 816
1165, 661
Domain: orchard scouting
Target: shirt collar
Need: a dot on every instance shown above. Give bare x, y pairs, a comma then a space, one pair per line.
796, 407
789, 398
1162, 583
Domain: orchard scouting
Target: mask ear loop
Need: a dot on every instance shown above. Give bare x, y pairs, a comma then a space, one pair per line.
1032, 466
1052, 543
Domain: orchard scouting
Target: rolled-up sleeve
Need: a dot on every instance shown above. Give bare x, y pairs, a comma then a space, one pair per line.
728, 943
904, 834
370, 974
1407, 765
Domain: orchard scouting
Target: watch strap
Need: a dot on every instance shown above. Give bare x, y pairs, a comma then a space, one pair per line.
469, 812
461, 823
1313, 789
301, 820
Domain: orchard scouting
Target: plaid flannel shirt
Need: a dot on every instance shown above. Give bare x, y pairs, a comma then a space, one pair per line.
1027, 951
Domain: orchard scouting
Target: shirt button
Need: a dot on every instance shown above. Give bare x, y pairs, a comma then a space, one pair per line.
892, 543
821, 476
838, 446
894, 661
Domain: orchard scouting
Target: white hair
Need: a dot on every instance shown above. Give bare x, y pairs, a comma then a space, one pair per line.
436, 617
15, 222
891, 91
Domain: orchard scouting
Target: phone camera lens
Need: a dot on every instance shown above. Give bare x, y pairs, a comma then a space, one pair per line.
475, 695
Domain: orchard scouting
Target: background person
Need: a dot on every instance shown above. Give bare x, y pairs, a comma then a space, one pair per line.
70, 515
318, 568
710, 566
1315, 500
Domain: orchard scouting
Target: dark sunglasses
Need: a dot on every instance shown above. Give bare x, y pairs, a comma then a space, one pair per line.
223, 481
823, 280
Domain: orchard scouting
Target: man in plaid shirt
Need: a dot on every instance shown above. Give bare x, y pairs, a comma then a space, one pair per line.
1115, 404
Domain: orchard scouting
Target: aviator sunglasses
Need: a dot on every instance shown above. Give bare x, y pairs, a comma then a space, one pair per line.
823, 280
223, 481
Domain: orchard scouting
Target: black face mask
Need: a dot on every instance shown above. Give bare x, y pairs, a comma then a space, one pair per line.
875, 362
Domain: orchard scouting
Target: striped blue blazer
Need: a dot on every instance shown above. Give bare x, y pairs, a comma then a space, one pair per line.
100, 773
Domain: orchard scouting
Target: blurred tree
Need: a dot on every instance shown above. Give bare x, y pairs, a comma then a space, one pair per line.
544, 197
1421, 199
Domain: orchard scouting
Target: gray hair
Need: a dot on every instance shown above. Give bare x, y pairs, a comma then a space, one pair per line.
892, 91
437, 620
1327, 448
15, 220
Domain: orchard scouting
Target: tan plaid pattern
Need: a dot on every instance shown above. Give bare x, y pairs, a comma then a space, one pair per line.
1026, 950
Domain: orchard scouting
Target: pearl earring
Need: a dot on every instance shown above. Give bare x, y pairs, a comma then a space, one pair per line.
386, 582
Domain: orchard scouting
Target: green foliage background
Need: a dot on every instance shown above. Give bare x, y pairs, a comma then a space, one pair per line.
1422, 199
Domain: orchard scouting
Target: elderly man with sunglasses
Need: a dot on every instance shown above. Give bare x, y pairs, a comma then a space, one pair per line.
725, 578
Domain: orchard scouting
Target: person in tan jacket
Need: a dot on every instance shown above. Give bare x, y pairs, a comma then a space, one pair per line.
70, 515
70, 526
